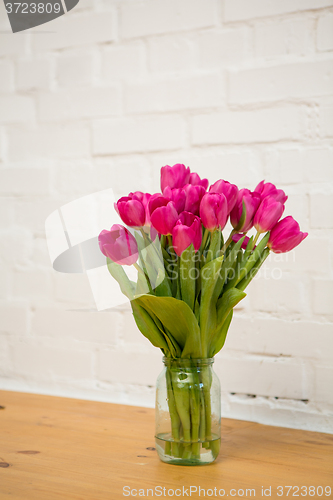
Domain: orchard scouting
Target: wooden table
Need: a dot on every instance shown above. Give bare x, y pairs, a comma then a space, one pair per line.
68, 449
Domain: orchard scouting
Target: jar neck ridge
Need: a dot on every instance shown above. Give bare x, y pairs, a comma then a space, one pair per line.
185, 362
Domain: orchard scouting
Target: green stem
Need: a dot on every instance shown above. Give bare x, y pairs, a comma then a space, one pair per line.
174, 417
182, 400
206, 383
138, 268
204, 241
227, 243
195, 413
256, 238
214, 247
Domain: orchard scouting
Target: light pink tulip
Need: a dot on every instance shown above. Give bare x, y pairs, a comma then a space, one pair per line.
119, 245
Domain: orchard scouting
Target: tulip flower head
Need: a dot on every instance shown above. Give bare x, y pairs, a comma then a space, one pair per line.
267, 215
214, 211
144, 198
229, 190
186, 231
238, 236
242, 214
196, 181
178, 196
285, 235
131, 210
119, 245
269, 189
163, 214
174, 177
194, 196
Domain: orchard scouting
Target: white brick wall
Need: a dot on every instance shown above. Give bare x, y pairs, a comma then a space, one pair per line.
238, 89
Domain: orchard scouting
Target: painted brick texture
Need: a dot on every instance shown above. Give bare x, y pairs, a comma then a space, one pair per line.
236, 89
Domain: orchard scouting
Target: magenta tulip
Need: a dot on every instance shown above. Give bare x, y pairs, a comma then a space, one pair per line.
131, 210
230, 191
157, 200
194, 196
174, 177
196, 181
186, 231
267, 215
244, 221
214, 211
178, 196
285, 235
119, 245
144, 198
268, 189
163, 214
238, 236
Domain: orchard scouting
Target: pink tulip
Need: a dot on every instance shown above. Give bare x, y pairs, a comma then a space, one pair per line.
251, 201
186, 231
144, 198
196, 181
119, 245
267, 215
285, 235
214, 211
174, 177
268, 189
131, 210
194, 196
238, 236
178, 196
157, 200
230, 191
163, 214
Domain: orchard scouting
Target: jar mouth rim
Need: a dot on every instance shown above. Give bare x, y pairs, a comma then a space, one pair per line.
188, 361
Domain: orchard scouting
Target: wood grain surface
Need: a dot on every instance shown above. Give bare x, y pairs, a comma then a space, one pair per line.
69, 449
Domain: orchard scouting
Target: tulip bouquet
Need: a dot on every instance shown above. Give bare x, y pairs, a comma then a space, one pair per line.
189, 276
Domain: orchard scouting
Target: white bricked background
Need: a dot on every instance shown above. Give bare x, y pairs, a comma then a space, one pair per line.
110, 92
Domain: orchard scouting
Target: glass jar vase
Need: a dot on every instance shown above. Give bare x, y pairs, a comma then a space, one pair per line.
188, 412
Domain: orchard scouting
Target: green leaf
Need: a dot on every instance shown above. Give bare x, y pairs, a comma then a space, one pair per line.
228, 264
188, 271
209, 276
227, 302
174, 348
177, 318
118, 273
224, 307
197, 310
141, 285
251, 261
148, 327
221, 336
215, 246
163, 289
249, 277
